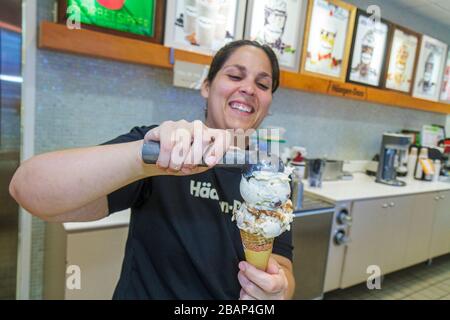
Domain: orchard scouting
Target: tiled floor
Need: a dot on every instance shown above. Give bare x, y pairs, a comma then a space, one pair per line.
420, 282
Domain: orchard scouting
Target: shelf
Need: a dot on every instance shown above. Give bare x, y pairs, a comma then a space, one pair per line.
102, 45
58, 37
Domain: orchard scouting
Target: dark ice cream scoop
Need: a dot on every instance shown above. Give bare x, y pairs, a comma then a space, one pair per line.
248, 161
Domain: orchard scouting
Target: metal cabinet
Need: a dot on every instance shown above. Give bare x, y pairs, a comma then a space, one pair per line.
310, 236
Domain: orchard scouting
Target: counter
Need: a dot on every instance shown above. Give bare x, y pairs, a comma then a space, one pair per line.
363, 186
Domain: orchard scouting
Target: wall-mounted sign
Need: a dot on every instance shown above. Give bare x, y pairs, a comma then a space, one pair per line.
445, 93
328, 38
203, 26
402, 57
347, 90
280, 25
432, 58
137, 18
368, 51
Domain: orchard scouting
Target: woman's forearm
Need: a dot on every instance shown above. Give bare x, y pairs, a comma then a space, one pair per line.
62, 181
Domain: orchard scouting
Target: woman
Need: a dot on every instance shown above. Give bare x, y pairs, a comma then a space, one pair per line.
182, 243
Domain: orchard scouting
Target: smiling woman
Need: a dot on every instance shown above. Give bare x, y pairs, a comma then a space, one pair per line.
182, 243
239, 87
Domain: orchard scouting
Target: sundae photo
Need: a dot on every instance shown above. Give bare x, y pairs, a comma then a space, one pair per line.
426, 84
400, 65
204, 23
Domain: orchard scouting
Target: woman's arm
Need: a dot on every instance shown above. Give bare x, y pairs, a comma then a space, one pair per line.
59, 182
72, 185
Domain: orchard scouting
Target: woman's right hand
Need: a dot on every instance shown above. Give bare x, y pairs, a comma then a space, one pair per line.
184, 144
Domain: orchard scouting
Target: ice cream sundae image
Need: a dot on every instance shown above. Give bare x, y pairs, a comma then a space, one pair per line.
275, 17
427, 83
401, 60
363, 70
324, 57
445, 94
204, 21
265, 213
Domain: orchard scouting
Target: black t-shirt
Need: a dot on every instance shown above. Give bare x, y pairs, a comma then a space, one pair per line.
182, 243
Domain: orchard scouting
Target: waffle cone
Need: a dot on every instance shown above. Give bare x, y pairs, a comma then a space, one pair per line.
257, 249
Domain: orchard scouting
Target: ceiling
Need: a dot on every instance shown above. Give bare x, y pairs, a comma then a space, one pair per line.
437, 10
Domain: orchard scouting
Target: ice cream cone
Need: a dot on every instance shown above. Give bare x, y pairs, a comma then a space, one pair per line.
257, 249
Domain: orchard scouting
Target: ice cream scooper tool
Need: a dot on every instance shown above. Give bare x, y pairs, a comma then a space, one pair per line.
248, 161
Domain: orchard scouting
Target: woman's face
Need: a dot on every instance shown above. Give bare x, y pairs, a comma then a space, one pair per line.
240, 95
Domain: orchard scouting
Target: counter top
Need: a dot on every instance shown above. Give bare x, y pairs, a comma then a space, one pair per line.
363, 186
312, 205
115, 220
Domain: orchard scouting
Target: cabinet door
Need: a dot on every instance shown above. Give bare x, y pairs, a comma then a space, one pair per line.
397, 225
420, 228
367, 234
99, 255
440, 241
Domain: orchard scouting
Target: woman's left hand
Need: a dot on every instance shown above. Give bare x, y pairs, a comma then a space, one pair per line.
256, 284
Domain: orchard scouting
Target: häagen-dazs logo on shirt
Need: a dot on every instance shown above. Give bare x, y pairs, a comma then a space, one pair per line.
202, 189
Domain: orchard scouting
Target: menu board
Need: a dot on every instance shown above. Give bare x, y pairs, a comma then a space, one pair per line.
430, 68
328, 37
203, 26
401, 60
369, 50
445, 93
131, 16
280, 25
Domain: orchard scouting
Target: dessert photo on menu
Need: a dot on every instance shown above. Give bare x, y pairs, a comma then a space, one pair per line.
280, 25
401, 60
430, 68
328, 37
203, 26
369, 50
445, 93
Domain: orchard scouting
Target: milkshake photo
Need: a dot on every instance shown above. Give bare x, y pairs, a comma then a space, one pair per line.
203, 26
369, 50
430, 69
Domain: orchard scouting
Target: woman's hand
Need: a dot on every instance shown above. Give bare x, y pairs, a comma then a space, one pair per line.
259, 285
184, 144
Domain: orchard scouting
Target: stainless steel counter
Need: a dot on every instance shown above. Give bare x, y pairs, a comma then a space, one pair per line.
311, 232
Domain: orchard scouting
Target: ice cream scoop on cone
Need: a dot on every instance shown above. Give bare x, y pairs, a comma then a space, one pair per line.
257, 249
265, 214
